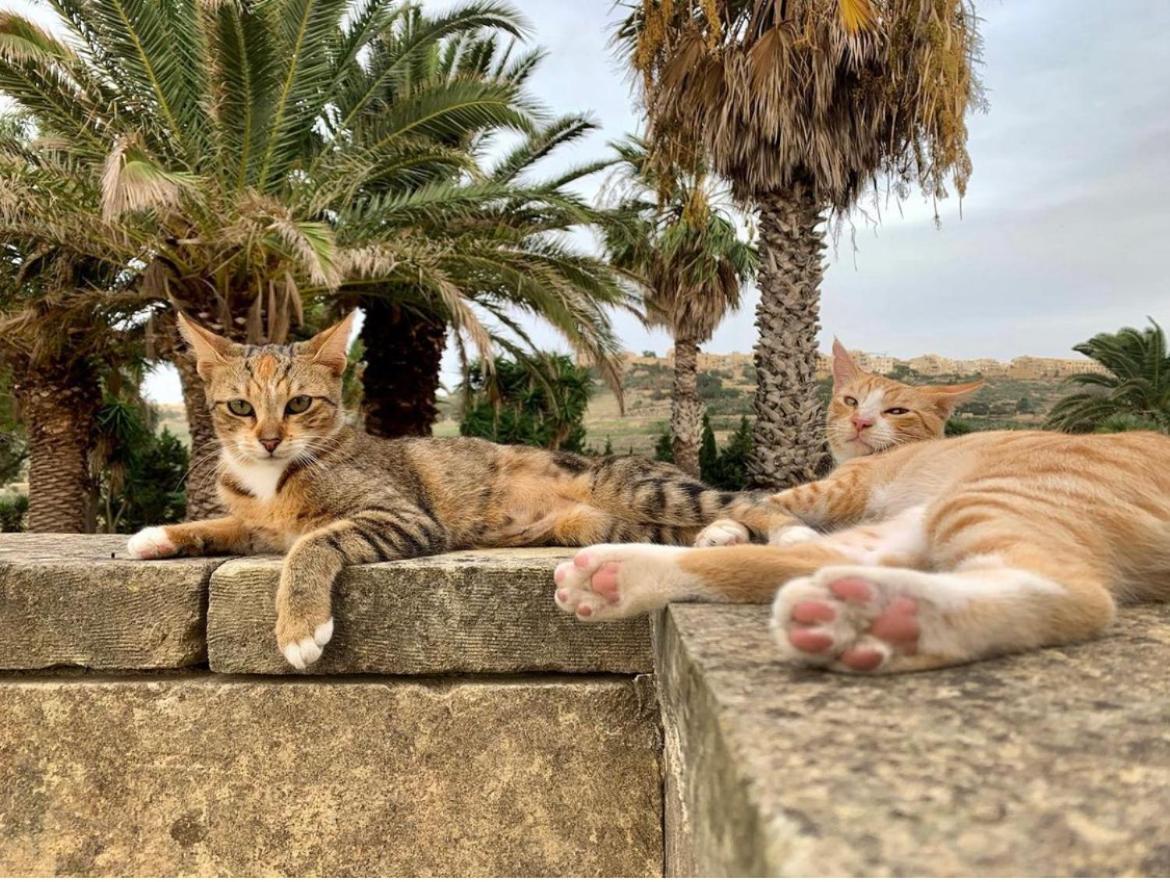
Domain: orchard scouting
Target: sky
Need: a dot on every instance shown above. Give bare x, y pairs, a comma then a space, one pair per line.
1061, 234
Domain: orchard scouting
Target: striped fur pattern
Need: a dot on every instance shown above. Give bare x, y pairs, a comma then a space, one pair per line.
297, 478
928, 554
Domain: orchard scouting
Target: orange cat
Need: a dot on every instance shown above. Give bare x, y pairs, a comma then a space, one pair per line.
934, 553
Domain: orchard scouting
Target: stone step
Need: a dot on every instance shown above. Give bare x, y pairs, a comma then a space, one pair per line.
202, 774
78, 601
472, 612
1047, 763
68, 600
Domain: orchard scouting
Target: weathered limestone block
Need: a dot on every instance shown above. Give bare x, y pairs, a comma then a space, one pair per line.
1048, 763
65, 601
200, 774
470, 612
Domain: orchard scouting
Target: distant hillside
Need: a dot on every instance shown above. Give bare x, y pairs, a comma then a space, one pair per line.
727, 391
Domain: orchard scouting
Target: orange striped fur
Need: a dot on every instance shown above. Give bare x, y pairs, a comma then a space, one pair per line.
928, 554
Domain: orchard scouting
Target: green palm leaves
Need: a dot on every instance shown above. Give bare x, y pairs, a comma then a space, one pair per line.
243, 155
1135, 393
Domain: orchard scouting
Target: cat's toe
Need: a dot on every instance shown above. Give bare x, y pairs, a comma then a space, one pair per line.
151, 543
302, 652
808, 623
792, 535
721, 533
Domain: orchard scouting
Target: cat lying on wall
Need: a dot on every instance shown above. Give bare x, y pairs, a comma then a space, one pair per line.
920, 555
296, 478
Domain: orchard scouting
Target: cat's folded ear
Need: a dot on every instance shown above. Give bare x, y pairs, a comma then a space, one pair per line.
844, 367
329, 348
946, 398
211, 350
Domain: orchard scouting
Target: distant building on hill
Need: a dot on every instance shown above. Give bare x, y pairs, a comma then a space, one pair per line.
1024, 367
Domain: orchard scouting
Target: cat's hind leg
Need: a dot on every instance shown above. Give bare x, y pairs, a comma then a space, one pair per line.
875, 619
615, 581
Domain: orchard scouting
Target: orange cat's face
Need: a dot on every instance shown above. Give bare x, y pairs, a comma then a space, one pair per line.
869, 413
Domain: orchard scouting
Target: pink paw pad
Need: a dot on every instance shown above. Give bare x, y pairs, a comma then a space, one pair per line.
898, 622
809, 640
852, 590
861, 659
812, 612
605, 581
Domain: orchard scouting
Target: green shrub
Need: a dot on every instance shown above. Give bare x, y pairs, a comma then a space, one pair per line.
729, 469
664, 447
540, 402
13, 509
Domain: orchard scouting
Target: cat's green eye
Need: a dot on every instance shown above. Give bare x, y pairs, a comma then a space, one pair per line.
240, 407
850, 400
897, 411
298, 404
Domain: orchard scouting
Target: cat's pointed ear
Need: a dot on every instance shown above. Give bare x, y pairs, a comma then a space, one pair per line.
211, 350
844, 367
947, 398
329, 348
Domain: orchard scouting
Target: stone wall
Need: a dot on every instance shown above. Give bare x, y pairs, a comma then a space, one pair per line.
1051, 763
459, 723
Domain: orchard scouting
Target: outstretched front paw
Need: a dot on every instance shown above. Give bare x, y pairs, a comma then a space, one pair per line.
854, 619
150, 543
616, 581
301, 642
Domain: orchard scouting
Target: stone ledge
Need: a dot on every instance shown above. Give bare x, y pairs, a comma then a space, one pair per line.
1050, 763
471, 612
65, 601
209, 775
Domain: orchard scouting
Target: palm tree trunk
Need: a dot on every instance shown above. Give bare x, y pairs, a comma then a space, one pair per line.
404, 352
202, 500
789, 431
59, 413
686, 410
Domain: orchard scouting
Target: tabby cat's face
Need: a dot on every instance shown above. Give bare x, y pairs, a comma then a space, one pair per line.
271, 403
869, 413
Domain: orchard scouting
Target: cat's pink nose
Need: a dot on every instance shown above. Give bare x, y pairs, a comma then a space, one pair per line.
270, 444
860, 422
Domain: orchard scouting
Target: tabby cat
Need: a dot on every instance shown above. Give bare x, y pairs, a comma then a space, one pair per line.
933, 553
297, 478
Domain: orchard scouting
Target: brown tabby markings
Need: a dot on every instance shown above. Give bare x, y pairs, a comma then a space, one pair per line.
935, 553
302, 481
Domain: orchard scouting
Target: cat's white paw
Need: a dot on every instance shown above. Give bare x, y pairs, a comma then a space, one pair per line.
722, 532
853, 619
302, 653
792, 535
150, 543
616, 581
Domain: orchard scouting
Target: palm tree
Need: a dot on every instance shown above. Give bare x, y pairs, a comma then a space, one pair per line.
1133, 393
58, 335
249, 161
801, 105
685, 250
404, 339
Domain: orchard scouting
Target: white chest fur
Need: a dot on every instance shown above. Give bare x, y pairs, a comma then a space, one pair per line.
258, 477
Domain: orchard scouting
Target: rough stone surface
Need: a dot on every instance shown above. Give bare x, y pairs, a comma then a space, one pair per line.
210, 775
475, 612
1050, 763
64, 601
